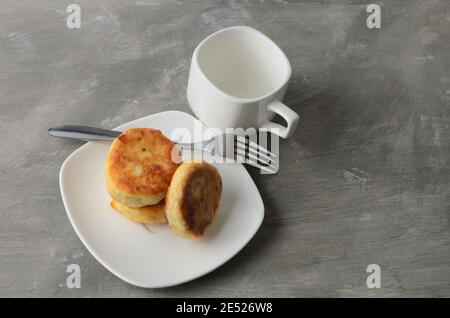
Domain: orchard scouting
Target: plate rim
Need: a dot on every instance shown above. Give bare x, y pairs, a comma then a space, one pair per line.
104, 263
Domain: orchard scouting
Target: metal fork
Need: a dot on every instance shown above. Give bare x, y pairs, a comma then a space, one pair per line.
228, 146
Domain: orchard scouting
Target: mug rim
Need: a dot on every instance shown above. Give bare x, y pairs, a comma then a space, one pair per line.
242, 100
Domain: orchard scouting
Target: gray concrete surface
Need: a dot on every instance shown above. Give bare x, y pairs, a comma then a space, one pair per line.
365, 179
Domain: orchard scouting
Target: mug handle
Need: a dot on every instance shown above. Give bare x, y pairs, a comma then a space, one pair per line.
289, 116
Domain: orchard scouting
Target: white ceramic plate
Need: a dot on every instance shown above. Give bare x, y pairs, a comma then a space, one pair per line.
152, 256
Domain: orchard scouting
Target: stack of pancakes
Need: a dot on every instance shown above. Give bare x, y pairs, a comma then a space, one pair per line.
148, 185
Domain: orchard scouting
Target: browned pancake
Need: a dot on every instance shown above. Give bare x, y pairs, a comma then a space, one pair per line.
193, 199
139, 167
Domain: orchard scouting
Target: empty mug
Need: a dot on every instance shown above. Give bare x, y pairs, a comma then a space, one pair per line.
238, 78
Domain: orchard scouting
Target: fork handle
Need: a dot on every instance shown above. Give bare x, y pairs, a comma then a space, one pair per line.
83, 133
87, 133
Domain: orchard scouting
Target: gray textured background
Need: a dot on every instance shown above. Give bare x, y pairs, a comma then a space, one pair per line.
365, 179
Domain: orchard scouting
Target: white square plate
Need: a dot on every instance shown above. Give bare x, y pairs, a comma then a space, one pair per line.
152, 256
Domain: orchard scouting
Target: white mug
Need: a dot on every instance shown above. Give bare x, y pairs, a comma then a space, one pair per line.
237, 79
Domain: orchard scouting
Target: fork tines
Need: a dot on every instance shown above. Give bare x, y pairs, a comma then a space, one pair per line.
248, 151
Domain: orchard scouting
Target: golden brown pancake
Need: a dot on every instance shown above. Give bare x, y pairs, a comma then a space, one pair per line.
193, 198
151, 214
139, 167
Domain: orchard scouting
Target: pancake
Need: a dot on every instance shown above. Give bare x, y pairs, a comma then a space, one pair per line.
151, 214
193, 198
139, 167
